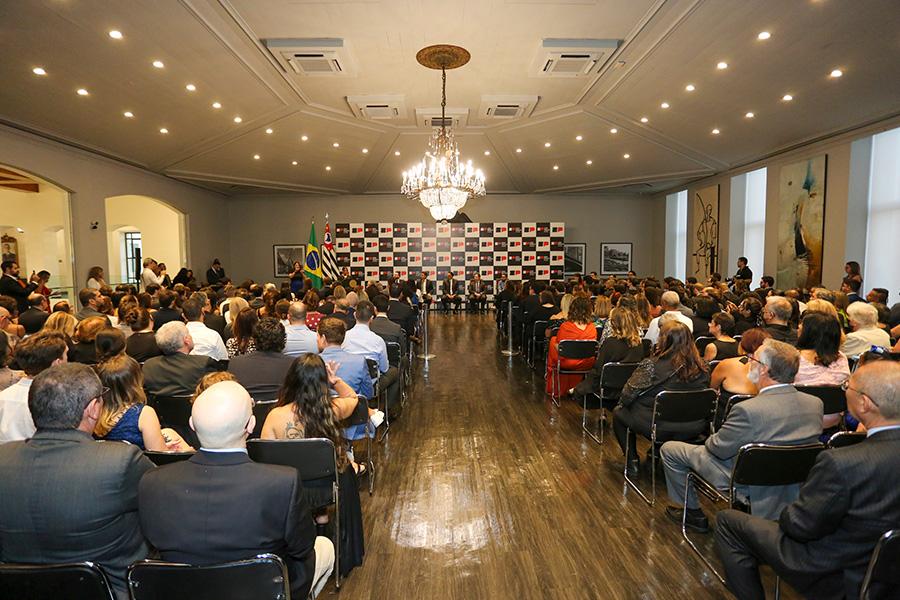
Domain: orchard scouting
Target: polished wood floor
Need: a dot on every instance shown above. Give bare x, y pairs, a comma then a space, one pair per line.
486, 490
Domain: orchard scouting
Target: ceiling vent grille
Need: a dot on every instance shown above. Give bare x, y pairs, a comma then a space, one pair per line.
506, 107
431, 117
378, 108
572, 57
313, 57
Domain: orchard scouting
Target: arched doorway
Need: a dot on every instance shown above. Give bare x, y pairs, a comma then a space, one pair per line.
138, 227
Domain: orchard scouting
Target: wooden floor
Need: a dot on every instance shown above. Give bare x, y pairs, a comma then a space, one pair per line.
486, 490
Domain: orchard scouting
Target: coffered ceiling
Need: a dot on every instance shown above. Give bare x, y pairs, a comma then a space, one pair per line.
221, 110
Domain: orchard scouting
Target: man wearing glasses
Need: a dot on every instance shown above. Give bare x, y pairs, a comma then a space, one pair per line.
822, 542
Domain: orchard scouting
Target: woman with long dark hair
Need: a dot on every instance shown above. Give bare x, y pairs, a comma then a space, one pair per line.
242, 340
674, 365
821, 361
313, 316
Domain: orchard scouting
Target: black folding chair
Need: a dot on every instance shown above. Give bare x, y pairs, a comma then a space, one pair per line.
763, 465
316, 460
263, 577
833, 397
730, 401
72, 581
380, 395
359, 417
175, 412
672, 408
842, 439
395, 356
166, 458
701, 343
538, 338
261, 410
613, 377
882, 580
575, 350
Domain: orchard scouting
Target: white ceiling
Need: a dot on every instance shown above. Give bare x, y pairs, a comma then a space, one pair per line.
218, 46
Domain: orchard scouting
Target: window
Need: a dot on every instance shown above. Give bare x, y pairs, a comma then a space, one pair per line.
131, 256
884, 214
755, 219
676, 234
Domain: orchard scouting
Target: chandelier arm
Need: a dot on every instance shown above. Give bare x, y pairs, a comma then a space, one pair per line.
443, 98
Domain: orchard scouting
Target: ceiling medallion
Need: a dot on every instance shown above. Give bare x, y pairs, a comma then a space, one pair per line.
439, 181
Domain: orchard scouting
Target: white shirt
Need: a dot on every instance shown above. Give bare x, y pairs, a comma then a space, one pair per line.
15, 418
93, 284
207, 342
862, 340
148, 278
653, 331
301, 340
361, 340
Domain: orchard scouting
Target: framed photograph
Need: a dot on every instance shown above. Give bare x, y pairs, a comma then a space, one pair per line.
574, 259
10, 248
285, 255
615, 258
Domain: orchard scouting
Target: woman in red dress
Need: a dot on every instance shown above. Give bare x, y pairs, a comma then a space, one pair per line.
579, 326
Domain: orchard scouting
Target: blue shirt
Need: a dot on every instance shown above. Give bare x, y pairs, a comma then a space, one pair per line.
300, 339
352, 369
361, 340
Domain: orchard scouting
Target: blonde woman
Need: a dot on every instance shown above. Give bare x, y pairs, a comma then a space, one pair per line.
63, 322
622, 344
125, 415
602, 307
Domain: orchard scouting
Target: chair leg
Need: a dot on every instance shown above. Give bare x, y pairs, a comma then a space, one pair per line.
687, 486
554, 385
370, 464
777, 587
632, 484
337, 535
584, 427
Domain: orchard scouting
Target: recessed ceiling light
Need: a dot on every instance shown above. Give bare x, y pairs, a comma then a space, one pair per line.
256, 157
644, 119
487, 152
614, 130
396, 153
81, 92
763, 35
664, 105
336, 145
588, 162
365, 150
749, 115
238, 119
578, 138
722, 65
191, 87
39, 71
518, 151
115, 34
128, 114
690, 87
304, 138
217, 105
158, 64
546, 144
270, 131
715, 131
294, 162
626, 156
556, 167
787, 97
836, 73
163, 130
327, 168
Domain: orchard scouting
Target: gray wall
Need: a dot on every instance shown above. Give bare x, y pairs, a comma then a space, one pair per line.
257, 222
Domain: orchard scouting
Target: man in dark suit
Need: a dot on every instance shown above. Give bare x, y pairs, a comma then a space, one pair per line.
212, 320
65, 497
822, 542
400, 312
777, 315
220, 506
34, 318
90, 302
11, 285
477, 293
425, 288
450, 293
167, 311
262, 372
341, 311
215, 275
177, 372
384, 327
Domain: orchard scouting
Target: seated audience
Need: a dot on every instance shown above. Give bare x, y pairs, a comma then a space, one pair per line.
621, 344
241, 340
342, 311
168, 310
384, 327
400, 312
747, 315
352, 368
85, 350
704, 309
109, 343
669, 304
141, 344
90, 305
821, 543
732, 375
777, 315
67, 498
362, 341
176, 372
125, 416
865, 334
602, 308
211, 318
778, 415
449, 293
62, 322
821, 361
262, 372
313, 315
721, 327
546, 311
206, 341
578, 326
8, 376
189, 510
674, 365
300, 338
34, 318
8, 315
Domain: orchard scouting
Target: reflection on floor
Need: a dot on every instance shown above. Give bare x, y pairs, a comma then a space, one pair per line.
485, 490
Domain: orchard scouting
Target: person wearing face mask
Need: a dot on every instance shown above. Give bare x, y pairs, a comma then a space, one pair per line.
778, 414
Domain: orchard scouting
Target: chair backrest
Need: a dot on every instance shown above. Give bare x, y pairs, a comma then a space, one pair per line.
394, 353
834, 399
732, 400
684, 406
73, 581
166, 458
771, 465
647, 345
173, 411
613, 377
314, 458
372, 365
842, 439
538, 328
261, 578
577, 349
702, 341
261, 410
882, 580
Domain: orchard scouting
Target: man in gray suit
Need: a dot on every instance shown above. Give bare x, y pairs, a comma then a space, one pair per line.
65, 497
779, 414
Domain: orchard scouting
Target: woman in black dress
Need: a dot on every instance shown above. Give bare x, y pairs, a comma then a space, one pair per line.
724, 346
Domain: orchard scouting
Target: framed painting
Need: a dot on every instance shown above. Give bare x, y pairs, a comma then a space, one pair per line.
615, 258
706, 232
574, 255
10, 248
285, 255
801, 223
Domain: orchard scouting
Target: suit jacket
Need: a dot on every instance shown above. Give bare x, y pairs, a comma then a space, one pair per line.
10, 286
449, 287
389, 332
176, 374
850, 498
142, 346
429, 286
403, 315
216, 323
780, 416
349, 321
261, 373
165, 315
87, 311
214, 277
67, 498
33, 320
477, 287
782, 333
220, 507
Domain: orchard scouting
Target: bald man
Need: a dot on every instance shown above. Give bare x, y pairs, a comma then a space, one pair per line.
220, 506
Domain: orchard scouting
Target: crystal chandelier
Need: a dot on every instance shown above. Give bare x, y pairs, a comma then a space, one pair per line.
440, 182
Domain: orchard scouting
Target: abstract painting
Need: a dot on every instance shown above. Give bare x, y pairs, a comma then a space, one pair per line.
706, 232
615, 258
801, 223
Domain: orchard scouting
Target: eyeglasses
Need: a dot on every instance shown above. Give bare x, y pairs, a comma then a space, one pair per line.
754, 359
847, 387
104, 392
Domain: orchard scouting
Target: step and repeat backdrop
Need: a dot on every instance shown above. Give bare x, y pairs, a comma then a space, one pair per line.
521, 250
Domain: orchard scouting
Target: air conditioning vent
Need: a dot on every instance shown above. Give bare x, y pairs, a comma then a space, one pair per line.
506, 107
378, 108
314, 57
572, 57
306, 63
431, 117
